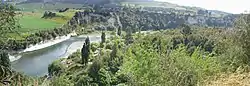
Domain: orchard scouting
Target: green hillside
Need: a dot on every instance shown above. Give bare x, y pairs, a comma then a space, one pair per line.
31, 22
43, 7
34, 23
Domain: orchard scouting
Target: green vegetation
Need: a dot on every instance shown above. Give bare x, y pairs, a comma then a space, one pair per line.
173, 7
36, 23
34, 29
33, 22
185, 56
40, 7
181, 57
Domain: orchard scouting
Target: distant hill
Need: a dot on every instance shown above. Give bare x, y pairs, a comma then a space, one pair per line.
138, 3
84, 1
175, 7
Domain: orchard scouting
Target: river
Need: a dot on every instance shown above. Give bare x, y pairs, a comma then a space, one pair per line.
35, 63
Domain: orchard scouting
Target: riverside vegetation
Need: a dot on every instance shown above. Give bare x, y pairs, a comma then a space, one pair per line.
188, 55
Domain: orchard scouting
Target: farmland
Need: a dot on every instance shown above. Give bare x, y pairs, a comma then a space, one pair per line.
34, 23
42, 7
30, 19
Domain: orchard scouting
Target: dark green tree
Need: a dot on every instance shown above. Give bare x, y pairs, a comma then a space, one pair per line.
185, 30
94, 68
129, 38
4, 59
84, 54
113, 54
86, 51
8, 20
103, 37
87, 42
8, 24
115, 59
119, 32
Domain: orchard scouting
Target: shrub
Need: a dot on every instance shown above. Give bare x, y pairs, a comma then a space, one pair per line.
56, 68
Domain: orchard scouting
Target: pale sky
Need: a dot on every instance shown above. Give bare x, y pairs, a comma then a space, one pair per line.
232, 6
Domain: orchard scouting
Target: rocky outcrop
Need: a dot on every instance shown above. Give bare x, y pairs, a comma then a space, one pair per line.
63, 10
48, 14
127, 18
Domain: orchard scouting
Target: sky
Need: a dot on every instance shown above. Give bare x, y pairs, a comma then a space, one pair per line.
231, 6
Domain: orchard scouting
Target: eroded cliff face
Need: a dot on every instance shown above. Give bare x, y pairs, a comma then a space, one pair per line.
127, 18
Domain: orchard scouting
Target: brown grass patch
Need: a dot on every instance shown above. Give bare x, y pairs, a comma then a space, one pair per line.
233, 79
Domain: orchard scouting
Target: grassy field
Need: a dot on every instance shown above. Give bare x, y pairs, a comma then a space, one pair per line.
30, 23
30, 19
42, 7
33, 23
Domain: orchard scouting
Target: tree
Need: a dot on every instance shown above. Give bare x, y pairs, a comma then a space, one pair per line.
4, 59
103, 37
129, 37
186, 30
242, 26
114, 61
85, 51
5, 67
8, 23
113, 54
119, 32
56, 68
87, 42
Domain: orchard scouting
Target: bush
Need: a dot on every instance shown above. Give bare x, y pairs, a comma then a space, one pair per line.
62, 80
56, 68
149, 66
94, 46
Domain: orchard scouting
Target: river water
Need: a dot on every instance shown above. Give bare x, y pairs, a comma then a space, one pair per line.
35, 63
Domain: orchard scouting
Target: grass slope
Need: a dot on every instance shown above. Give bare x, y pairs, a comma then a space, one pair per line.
34, 23
43, 7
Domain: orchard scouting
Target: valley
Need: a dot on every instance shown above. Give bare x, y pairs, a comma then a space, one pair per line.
123, 43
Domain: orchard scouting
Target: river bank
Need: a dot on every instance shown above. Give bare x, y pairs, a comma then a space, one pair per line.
95, 37
41, 45
39, 60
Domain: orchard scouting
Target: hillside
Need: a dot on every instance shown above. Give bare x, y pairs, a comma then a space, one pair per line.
149, 18
144, 3
132, 16
174, 6
142, 43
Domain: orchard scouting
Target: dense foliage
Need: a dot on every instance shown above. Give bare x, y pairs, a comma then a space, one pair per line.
182, 57
35, 38
8, 20
186, 56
